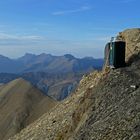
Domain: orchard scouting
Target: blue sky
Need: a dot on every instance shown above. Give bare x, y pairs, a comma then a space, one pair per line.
79, 27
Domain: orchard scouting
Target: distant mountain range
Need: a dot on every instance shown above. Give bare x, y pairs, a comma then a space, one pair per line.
48, 63
56, 76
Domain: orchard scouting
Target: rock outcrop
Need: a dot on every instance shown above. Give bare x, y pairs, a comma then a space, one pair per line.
132, 39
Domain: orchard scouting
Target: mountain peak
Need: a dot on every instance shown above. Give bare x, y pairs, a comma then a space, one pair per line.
69, 56
29, 55
45, 55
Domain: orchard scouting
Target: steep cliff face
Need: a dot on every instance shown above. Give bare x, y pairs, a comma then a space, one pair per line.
105, 106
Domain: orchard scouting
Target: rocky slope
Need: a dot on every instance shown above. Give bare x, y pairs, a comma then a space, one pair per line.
114, 113
20, 105
105, 106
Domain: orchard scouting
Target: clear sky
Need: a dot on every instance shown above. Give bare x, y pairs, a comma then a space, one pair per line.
79, 27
